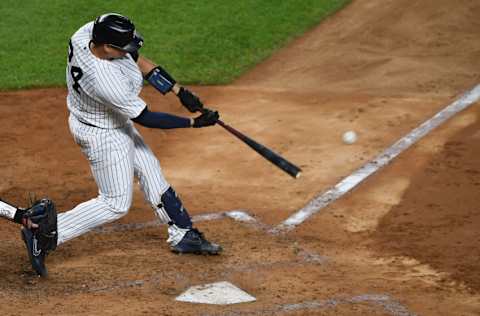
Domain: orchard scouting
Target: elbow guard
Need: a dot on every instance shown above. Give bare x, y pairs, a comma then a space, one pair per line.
160, 79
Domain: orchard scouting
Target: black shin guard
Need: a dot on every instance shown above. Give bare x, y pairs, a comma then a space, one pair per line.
175, 210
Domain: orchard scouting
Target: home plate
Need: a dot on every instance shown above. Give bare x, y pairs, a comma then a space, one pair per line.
219, 293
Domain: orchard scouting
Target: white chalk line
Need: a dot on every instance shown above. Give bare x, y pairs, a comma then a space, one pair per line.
389, 305
348, 183
237, 215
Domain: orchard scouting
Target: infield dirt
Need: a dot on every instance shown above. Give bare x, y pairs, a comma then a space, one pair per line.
410, 232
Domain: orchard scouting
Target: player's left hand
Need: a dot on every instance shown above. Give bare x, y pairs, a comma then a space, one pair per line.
189, 100
207, 118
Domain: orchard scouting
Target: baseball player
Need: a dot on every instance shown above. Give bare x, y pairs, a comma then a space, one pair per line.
105, 74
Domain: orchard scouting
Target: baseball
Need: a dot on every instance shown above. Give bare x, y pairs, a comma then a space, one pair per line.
349, 137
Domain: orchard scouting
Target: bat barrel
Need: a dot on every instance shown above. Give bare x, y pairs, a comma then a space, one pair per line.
265, 152
268, 154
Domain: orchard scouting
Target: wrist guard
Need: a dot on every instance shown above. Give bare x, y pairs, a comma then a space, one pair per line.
160, 79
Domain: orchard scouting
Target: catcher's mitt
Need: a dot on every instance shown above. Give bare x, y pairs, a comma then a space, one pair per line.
44, 214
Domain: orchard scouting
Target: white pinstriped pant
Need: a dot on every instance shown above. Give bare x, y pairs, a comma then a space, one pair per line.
115, 156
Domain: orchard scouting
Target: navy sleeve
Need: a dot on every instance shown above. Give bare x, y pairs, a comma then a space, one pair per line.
161, 120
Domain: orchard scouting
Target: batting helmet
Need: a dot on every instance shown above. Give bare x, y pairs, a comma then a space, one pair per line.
118, 31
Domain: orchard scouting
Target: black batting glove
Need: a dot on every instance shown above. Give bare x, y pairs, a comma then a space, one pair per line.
207, 118
189, 100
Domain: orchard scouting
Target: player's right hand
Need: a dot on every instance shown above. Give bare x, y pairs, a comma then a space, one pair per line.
207, 118
190, 100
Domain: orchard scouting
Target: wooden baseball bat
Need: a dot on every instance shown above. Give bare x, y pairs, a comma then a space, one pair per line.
265, 152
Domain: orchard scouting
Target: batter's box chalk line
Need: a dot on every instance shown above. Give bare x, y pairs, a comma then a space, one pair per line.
380, 161
388, 304
237, 215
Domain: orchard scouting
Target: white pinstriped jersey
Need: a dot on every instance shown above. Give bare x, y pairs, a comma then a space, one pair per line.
103, 93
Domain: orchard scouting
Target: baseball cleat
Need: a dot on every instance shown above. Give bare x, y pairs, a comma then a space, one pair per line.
194, 242
35, 254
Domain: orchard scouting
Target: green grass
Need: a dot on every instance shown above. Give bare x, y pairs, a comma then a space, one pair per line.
201, 42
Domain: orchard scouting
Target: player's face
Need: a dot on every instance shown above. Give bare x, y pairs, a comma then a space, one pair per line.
114, 52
